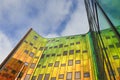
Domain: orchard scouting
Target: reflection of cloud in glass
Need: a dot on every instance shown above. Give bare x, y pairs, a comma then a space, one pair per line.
111, 7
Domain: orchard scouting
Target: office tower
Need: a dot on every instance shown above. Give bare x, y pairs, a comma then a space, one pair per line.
91, 56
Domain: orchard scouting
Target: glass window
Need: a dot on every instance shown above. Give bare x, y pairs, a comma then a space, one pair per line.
50, 47
13, 72
61, 76
111, 46
70, 62
117, 45
47, 55
69, 76
56, 64
41, 48
84, 51
77, 51
53, 54
61, 45
32, 65
34, 78
55, 46
86, 74
65, 45
35, 37
38, 66
46, 76
118, 69
77, 75
42, 55
27, 77
71, 44
53, 78
65, 53
31, 44
26, 51
107, 37
71, 52
77, 62
63, 65
31, 54
77, 42
40, 76
50, 64
43, 66
115, 57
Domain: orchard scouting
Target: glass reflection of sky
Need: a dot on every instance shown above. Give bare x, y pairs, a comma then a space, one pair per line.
112, 9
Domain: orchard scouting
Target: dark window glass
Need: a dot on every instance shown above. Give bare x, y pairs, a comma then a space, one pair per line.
31, 44
35, 47
72, 37
70, 62
55, 46
56, 64
35, 37
77, 42
111, 46
118, 45
50, 47
42, 55
71, 44
77, 51
65, 53
13, 72
58, 54
40, 76
118, 69
86, 74
115, 57
47, 55
26, 51
77, 75
50, 64
67, 37
32, 65
77, 62
53, 54
31, 54
46, 48
25, 41
65, 45
43, 66
20, 62
61, 76
61, 45
34, 78
107, 37
41, 48
69, 76
63, 65
46, 76
38, 66
53, 78
71, 52
27, 77
84, 51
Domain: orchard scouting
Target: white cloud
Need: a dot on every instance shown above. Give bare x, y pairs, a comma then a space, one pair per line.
5, 46
78, 23
52, 35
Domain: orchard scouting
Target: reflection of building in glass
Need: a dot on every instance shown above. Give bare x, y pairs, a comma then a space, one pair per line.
92, 56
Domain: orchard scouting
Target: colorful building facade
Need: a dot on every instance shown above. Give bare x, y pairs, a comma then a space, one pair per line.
91, 56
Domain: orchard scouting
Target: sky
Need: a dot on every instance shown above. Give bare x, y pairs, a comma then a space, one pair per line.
49, 18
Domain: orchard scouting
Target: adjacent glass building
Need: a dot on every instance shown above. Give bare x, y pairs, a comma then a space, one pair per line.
91, 56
